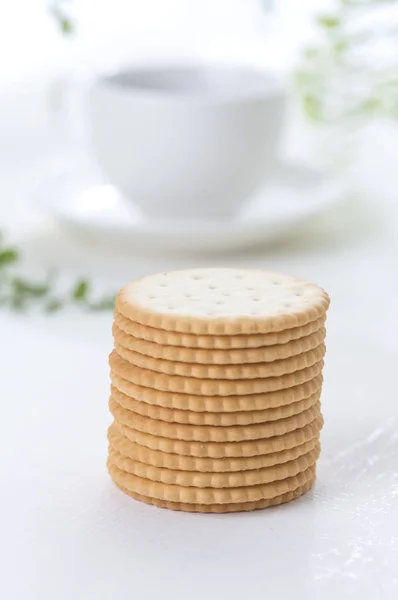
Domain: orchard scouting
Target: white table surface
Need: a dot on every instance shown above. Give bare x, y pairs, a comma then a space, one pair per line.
67, 532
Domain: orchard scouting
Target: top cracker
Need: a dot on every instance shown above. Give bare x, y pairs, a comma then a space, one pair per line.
222, 301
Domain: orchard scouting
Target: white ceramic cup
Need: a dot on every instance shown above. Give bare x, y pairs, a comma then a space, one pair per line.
183, 141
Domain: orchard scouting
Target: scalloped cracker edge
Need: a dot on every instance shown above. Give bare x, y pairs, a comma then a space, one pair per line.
203, 464
225, 449
223, 508
214, 480
223, 419
223, 372
193, 495
211, 433
211, 342
234, 356
309, 381
210, 387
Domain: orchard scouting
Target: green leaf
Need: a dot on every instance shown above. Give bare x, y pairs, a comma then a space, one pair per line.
53, 305
329, 22
24, 287
66, 26
312, 107
340, 46
64, 23
80, 291
8, 256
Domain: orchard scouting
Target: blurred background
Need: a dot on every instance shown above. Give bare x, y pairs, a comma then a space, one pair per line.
338, 63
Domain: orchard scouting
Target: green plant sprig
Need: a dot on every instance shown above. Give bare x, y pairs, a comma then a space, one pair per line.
61, 16
19, 293
330, 60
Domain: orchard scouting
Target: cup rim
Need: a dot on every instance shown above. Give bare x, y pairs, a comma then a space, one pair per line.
257, 93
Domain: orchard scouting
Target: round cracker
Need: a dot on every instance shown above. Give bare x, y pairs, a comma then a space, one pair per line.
225, 449
222, 301
210, 433
224, 508
220, 342
237, 356
214, 480
203, 464
193, 495
223, 372
308, 380
211, 387
223, 419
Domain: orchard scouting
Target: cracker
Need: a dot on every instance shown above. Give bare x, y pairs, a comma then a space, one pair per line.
193, 495
210, 387
222, 301
222, 342
204, 464
224, 508
223, 372
218, 357
225, 449
210, 433
214, 480
311, 382
175, 415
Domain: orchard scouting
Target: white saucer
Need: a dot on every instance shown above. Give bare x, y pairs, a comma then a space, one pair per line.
295, 195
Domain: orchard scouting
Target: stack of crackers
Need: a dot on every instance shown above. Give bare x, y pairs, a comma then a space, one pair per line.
216, 382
